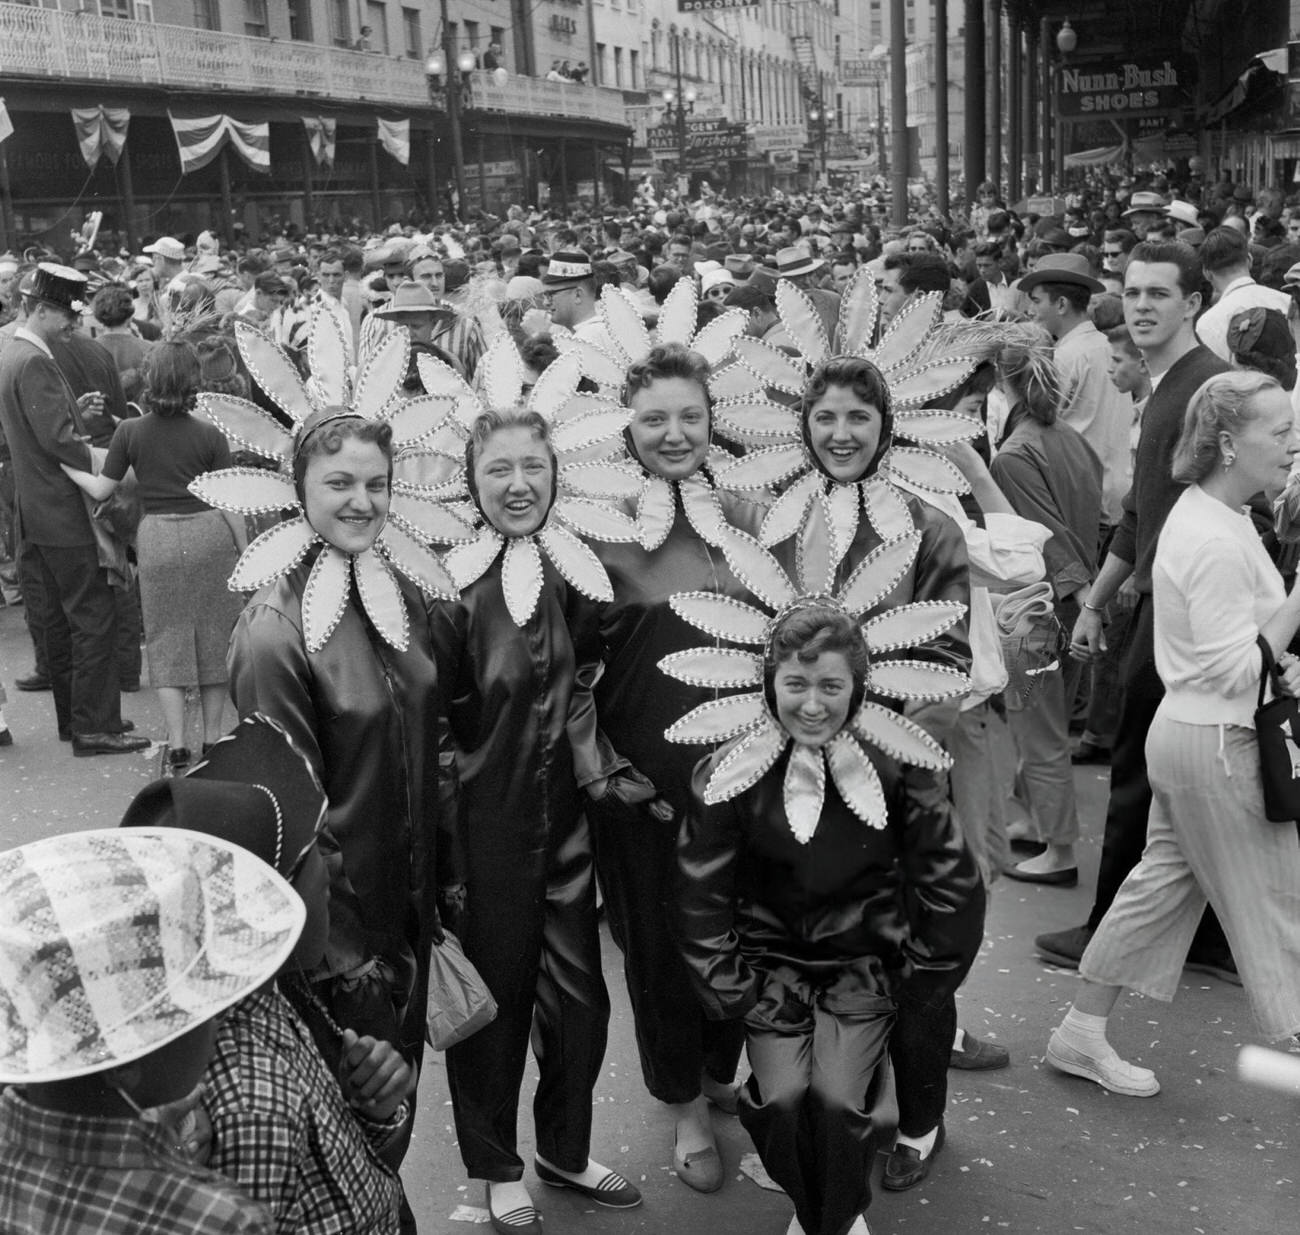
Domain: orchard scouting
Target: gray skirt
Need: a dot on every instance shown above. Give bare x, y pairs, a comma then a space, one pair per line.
187, 608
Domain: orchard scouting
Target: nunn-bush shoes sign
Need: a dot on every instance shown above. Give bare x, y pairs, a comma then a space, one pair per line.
1128, 89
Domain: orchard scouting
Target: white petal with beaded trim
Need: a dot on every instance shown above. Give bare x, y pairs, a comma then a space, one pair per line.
756, 738
331, 392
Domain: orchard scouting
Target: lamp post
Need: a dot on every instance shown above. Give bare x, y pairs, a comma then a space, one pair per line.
678, 104
818, 121
1066, 41
439, 63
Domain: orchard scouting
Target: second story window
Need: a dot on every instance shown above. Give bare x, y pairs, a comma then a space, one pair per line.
255, 22
207, 14
300, 20
340, 23
411, 34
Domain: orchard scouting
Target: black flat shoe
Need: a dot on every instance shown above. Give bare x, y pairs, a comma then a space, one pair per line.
613, 1191
85, 744
905, 1168
34, 681
1066, 878
1086, 752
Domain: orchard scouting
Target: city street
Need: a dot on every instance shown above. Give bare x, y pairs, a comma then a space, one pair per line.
1028, 1150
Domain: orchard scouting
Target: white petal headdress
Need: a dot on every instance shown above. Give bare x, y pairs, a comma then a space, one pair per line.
413, 517
756, 737
915, 365
622, 477
581, 426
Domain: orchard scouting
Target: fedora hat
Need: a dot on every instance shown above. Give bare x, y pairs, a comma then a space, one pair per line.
796, 260
168, 247
254, 788
115, 942
411, 298
60, 286
1145, 203
1062, 268
1183, 212
567, 269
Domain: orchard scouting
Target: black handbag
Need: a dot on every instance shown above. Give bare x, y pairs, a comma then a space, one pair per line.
1277, 728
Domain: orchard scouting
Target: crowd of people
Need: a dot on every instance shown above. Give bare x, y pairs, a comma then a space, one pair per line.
752, 572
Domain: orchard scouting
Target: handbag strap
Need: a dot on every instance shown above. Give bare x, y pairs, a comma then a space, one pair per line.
1270, 667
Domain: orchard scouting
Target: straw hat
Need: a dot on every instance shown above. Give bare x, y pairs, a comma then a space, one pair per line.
114, 943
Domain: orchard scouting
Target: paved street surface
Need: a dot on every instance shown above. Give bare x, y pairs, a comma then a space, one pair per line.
1028, 1150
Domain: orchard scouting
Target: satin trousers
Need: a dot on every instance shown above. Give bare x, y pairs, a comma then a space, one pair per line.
819, 1067
636, 859
531, 931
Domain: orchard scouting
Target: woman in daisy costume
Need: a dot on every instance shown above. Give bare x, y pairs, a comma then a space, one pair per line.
812, 882
335, 646
662, 477
841, 470
518, 683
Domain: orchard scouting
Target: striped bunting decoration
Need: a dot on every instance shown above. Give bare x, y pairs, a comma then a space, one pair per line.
199, 140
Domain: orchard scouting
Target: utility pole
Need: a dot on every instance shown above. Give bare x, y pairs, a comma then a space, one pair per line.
453, 109
941, 104
898, 106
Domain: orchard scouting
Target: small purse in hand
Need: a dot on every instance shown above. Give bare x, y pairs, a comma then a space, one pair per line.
1277, 728
460, 1003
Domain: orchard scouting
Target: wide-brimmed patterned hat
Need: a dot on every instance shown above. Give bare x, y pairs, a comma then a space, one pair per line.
114, 943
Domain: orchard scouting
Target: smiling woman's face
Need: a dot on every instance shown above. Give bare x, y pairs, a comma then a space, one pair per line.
670, 426
515, 480
813, 698
346, 494
844, 433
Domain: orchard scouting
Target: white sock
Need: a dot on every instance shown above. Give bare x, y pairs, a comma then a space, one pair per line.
922, 1144
959, 1039
1086, 1032
2, 719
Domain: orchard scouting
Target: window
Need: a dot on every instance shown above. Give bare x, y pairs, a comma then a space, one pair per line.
255, 23
471, 38
634, 70
618, 66
411, 34
115, 8
340, 23
377, 20
300, 20
207, 15
601, 75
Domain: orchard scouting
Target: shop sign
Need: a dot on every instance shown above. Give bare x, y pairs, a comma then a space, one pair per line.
863, 72
714, 6
780, 137
1127, 89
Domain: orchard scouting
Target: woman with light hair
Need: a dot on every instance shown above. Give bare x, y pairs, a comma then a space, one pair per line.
1218, 600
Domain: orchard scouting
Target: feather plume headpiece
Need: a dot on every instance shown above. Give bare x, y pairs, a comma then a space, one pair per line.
622, 477
756, 739
579, 424
916, 367
329, 394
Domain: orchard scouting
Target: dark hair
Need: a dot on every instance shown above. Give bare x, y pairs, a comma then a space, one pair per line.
1175, 253
1260, 339
530, 263
748, 297
1074, 294
807, 632
1224, 249
662, 280
668, 360
1223, 404
219, 368
171, 378
331, 256
1121, 336
1121, 236
538, 352
113, 304
921, 272
866, 381
329, 439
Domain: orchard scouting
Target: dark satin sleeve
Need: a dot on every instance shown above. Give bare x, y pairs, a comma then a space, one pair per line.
269, 673
708, 856
594, 757
447, 638
942, 893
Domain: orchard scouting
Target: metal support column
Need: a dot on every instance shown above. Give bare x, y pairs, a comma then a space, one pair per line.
1045, 100
126, 191
941, 105
431, 175
898, 107
376, 206
993, 60
1029, 112
973, 132
227, 201
1015, 130
308, 201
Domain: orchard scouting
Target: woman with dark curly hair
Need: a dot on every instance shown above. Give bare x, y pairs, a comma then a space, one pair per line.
186, 549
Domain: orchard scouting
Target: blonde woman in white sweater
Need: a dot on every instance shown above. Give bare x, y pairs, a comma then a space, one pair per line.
1215, 592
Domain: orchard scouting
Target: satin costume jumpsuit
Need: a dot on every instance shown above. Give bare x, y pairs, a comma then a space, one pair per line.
523, 724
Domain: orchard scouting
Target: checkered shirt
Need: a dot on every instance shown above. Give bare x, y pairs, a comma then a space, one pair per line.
462, 337
65, 1174
283, 1131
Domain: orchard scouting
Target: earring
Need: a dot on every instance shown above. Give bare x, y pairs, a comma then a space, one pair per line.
1228, 460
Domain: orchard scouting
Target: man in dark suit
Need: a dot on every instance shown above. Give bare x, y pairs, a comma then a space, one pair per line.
42, 422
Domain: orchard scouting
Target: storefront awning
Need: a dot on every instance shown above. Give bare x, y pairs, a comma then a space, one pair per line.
1235, 96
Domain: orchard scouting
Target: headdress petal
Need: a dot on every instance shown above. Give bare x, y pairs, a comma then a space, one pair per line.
916, 679
602, 479
273, 371
327, 356
879, 572
381, 375
926, 470
596, 520
723, 617
555, 387
656, 509
785, 516
677, 316
732, 381
244, 490
703, 509
439, 378
816, 551
757, 569
770, 365
604, 370
761, 468
502, 373
744, 764
382, 598
718, 337
800, 318
859, 310
886, 509
718, 719
935, 427
586, 430
470, 561
521, 578
576, 562
929, 381
756, 421
624, 323
843, 508
899, 737
716, 667
247, 427
274, 553
911, 624
325, 597
432, 472
856, 779
908, 332
416, 420
804, 790
416, 560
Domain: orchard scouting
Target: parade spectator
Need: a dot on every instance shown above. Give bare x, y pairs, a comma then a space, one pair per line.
1226, 259
113, 307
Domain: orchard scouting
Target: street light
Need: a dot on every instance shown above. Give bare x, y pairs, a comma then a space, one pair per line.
819, 121
1066, 39
435, 67
677, 106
